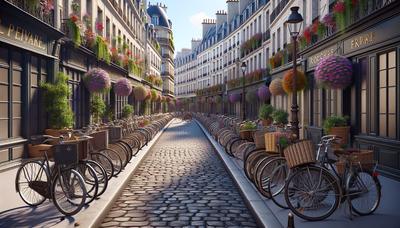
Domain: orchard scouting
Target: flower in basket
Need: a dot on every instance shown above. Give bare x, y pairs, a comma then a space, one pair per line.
278, 59
248, 126
234, 98
339, 11
89, 38
318, 28
123, 87
168, 99
99, 26
263, 93
140, 93
287, 82
307, 35
334, 72
148, 96
97, 80
329, 20
276, 88
74, 18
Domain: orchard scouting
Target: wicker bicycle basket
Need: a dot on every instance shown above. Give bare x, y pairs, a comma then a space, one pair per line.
363, 159
300, 153
65, 154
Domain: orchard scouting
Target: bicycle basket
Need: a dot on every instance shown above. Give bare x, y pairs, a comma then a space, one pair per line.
363, 159
115, 134
300, 153
65, 154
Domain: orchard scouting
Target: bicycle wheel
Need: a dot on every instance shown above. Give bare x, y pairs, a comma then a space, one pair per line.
364, 192
250, 163
32, 183
115, 159
276, 184
69, 192
101, 175
312, 193
90, 180
105, 162
263, 173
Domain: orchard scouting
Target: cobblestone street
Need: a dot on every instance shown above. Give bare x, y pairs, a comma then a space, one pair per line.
182, 182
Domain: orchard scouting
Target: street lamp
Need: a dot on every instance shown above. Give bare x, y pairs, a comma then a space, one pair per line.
243, 67
294, 23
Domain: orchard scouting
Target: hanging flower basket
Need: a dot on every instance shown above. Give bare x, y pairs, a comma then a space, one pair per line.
234, 98
153, 95
263, 93
123, 87
217, 99
159, 97
97, 80
287, 82
251, 96
140, 93
148, 96
168, 99
276, 88
334, 72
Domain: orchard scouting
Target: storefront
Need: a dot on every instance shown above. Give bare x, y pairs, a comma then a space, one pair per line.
372, 101
28, 56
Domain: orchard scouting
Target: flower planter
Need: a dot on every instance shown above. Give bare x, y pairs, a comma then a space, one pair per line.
266, 122
38, 151
246, 134
343, 132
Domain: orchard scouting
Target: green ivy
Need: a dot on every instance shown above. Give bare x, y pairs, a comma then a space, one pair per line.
101, 50
57, 104
74, 33
127, 111
97, 108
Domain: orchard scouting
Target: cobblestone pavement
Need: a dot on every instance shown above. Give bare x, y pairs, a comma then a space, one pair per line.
181, 182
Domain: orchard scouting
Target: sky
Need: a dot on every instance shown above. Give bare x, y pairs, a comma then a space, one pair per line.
187, 16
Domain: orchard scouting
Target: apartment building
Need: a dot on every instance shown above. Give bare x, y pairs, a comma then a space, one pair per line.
254, 32
39, 40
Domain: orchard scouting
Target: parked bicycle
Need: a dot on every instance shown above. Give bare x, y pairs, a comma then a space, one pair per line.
38, 180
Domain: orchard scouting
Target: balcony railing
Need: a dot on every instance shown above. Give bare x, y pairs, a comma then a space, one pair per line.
35, 10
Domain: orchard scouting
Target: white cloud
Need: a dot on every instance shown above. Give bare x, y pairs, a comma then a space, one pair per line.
197, 19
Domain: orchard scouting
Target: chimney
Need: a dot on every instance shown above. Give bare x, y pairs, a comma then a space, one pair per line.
233, 9
164, 7
195, 43
207, 25
221, 17
243, 5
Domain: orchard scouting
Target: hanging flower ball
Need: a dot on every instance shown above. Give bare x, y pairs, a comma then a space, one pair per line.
217, 99
153, 95
234, 98
140, 93
148, 96
123, 87
287, 82
97, 80
159, 97
334, 72
276, 87
168, 99
251, 96
263, 93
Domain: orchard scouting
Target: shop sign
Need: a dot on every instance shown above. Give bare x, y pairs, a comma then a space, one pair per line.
313, 60
22, 36
383, 32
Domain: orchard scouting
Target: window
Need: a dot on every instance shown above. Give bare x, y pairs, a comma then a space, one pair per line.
387, 94
155, 20
317, 114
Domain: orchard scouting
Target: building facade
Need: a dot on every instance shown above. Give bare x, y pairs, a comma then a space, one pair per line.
163, 29
39, 40
254, 32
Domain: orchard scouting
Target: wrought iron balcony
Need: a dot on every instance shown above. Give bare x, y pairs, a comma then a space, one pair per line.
278, 9
39, 11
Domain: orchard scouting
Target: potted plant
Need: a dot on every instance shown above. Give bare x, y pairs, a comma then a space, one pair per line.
97, 108
280, 117
60, 115
127, 111
123, 87
97, 80
247, 129
265, 113
337, 125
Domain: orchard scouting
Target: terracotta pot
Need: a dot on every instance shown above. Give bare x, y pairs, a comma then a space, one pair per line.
343, 132
266, 122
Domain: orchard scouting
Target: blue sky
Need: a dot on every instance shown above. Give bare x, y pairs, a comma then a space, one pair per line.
187, 15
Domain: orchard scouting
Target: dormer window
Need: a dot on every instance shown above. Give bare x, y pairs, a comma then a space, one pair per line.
155, 20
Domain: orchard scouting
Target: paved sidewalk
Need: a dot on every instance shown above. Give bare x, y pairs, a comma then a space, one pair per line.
182, 182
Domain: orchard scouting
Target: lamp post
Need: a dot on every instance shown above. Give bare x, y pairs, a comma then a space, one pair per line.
243, 67
208, 100
224, 94
294, 23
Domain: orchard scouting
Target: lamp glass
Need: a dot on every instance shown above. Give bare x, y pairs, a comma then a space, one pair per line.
244, 67
294, 21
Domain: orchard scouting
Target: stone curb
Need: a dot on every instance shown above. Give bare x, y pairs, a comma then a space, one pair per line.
96, 212
264, 215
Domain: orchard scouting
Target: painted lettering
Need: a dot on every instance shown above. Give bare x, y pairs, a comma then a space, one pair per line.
10, 29
362, 40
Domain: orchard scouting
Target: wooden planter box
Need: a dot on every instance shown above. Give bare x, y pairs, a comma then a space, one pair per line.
343, 132
246, 134
100, 140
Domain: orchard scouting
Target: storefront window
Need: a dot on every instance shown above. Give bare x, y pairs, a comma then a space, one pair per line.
317, 107
387, 94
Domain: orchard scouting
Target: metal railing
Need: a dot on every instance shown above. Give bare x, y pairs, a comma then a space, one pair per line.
35, 10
